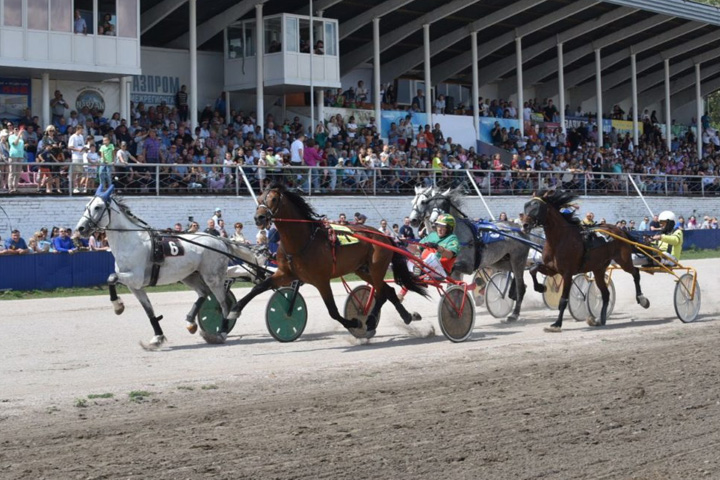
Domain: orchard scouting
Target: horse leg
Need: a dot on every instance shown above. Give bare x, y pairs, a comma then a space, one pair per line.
627, 265
117, 302
557, 326
540, 268
519, 287
195, 282
142, 297
327, 296
605, 293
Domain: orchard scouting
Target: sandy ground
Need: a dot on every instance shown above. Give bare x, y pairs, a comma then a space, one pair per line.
636, 399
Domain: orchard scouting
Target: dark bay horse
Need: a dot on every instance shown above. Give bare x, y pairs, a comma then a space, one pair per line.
566, 252
307, 254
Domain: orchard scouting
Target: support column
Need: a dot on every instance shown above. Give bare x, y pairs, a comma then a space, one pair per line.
124, 98
520, 96
475, 85
561, 87
699, 113
227, 107
598, 92
45, 99
428, 79
636, 128
312, 72
260, 64
668, 120
320, 108
193, 100
376, 75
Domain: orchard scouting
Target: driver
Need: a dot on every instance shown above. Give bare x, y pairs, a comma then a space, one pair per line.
669, 240
440, 248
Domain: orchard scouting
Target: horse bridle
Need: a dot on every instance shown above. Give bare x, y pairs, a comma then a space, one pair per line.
539, 219
269, 213
94, 225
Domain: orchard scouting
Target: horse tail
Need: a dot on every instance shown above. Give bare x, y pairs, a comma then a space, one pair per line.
404, 277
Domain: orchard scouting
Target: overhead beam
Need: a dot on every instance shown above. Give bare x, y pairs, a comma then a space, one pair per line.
657, 94
217, 24
496, 70
402, 64
363, 54
318, 6
359, 21
153, 16
449, 68
688, 95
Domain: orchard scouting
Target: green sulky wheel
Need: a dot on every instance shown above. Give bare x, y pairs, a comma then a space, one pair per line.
284, 326
210, 316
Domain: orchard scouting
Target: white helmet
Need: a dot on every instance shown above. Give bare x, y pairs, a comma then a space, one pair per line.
666, 216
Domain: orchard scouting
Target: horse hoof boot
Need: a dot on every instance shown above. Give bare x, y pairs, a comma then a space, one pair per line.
553, 329
644, 302
416, 317
512, 318
155, 343
118, 306
191, 327
370, 334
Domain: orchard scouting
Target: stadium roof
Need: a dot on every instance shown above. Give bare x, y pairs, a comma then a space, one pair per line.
684, 32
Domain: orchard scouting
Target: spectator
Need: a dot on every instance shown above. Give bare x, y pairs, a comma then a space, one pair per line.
360, 219
63, 243
16, 144
239, 236
15, 245
80, 25
107, 154
97, 242
211, 228
58, 105
76, 144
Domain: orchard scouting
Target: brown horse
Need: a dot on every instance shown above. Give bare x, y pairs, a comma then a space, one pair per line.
565, 250
306, 253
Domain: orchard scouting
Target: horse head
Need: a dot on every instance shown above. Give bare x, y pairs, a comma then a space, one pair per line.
97, 212
420, 206
268, 204
535, 214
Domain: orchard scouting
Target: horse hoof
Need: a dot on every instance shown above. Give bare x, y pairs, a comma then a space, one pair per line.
512, 318
360, 331
644, 302
155, 343
370, 334
541, 288
591, 321
118, 306
552, 329
416, 317
191, 327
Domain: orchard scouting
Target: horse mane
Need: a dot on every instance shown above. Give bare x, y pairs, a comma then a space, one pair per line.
125, 209
304, 208
456, 196
559, 199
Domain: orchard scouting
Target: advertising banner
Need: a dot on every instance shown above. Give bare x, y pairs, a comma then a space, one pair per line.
14, 97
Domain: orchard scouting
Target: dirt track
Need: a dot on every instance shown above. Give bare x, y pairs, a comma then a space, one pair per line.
636, 399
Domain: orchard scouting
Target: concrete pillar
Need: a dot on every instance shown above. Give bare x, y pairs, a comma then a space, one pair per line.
561, 86
46, 99
428, 79
193, 100
598, 91
636, 127
475, 85
124, 98
376, 74
520, 99
259, 59
668, 113
699, 108
227, 107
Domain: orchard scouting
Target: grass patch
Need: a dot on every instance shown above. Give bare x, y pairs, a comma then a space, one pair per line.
209, 387
80, 402
93, 396
697, 254
183, 387
138, 395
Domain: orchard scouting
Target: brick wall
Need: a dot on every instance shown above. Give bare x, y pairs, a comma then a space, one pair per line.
29, 214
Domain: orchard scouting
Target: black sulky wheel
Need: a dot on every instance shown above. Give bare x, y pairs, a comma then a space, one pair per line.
594, 300
356, 306
578, 298
687, 306
286, 324
456, 320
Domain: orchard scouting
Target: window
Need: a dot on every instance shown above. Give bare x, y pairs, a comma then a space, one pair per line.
273, 35
37, 14
291, 34
404, 91
235, 41
61, 15
84, 10
107, 17
249, 39
304, 35
127, 19
330, 38
13, 13
318, 37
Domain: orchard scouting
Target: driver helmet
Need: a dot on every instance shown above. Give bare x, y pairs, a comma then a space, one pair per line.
446, 220
669, 218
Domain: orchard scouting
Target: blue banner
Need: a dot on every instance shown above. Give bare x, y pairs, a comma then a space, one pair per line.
488, 123
397, 116
46, 271
14, 97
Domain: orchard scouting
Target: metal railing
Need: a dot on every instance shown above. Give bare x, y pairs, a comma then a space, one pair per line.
194, 179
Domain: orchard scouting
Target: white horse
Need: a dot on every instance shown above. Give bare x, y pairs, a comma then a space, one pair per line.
198, 260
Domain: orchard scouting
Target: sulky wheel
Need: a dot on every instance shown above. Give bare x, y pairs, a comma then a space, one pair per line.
356, 306
687, 306
553, 291
594, 298
456, 319
286, 324
497, 295
210, 317
577, 300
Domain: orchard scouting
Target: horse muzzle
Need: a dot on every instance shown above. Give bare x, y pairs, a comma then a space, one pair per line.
261, 221
527, 227
414, 222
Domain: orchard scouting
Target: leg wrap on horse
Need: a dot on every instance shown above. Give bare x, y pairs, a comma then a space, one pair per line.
195, 309
112, 282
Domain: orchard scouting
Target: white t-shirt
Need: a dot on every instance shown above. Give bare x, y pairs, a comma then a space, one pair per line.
76, 141
296, 151
352, 129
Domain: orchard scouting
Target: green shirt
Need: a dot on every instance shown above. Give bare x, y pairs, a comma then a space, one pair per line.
107, 153
450, 242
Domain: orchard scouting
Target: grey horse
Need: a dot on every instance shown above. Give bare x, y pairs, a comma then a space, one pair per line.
507, 255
